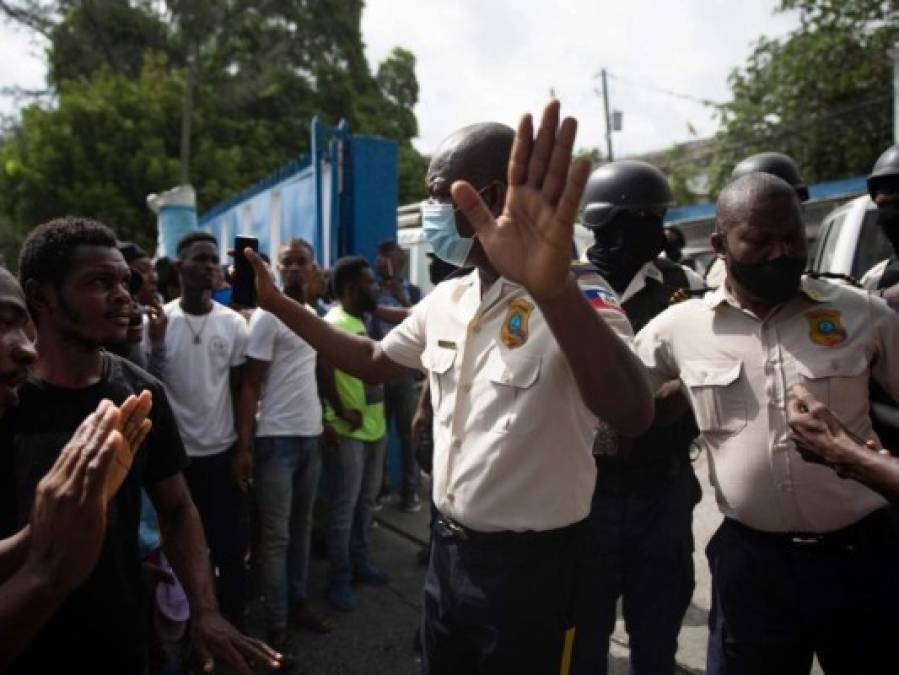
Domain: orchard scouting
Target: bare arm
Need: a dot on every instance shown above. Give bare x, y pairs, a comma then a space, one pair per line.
185, 547
328, 390
13, 552
608, 374
234, 381
357, 355
254, 372
27, 601
816, 430
325, 374
184, 541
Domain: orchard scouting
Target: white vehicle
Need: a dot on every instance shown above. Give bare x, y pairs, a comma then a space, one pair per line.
851, 243
850, 240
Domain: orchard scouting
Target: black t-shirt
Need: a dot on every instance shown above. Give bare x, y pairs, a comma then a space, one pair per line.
101, 626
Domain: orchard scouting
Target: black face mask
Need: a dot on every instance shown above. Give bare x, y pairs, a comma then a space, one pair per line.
773, 281
624, 246
888, 219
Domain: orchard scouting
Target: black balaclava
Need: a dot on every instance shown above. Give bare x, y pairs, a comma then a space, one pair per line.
623, 246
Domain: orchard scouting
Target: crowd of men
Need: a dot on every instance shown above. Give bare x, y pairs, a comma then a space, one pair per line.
563, 398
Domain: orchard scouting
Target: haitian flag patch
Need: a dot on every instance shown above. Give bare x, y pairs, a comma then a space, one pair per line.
601, 298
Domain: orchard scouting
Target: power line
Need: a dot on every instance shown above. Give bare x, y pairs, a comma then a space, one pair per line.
781, 132
706, 102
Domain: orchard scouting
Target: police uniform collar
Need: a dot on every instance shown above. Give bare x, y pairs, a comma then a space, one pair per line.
814, 289
652, 271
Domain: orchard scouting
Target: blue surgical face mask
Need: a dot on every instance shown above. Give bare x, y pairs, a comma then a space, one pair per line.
438, 221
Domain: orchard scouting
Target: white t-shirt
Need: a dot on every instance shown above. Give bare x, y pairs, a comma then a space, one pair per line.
289, 405
197, 376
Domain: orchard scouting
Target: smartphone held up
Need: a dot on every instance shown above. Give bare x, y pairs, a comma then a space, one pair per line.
243, 286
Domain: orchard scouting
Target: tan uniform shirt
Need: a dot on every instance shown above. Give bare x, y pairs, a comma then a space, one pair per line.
512, 436
738, 370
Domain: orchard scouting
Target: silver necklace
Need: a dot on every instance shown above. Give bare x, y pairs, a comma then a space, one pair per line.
199, 333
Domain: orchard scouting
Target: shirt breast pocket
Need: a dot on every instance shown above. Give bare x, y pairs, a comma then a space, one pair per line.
834, 380
512, 405
439, 363
718, 400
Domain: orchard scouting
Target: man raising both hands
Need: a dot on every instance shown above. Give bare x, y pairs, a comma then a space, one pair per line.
515, 386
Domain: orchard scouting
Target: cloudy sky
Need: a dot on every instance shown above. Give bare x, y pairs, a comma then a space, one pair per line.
493, 60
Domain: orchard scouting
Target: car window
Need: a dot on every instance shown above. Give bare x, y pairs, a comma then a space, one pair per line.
873, 246
828, 244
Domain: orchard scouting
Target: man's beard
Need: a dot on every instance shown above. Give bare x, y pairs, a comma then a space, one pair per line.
69, 329
296, 290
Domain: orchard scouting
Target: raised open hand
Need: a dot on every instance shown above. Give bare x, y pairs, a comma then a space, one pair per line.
530, 242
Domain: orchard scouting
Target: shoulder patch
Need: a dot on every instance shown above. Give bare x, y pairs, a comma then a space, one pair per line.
601, 298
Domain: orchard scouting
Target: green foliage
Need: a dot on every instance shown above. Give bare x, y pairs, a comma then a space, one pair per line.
593, 154
263, 69
823, 94
97, 153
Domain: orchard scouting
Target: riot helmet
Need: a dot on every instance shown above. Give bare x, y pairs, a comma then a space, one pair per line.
777, 164
886, 169
625, 185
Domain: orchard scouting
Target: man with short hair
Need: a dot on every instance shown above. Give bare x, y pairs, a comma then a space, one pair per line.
139, 261
804, 562
205, 343
516, 391
355, 411
401, 393
279, 395
76, 285
54, 553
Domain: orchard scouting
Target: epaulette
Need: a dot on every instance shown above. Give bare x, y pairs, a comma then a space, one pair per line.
682, 294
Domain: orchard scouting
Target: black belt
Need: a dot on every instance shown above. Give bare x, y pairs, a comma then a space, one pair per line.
447, 528
871, 528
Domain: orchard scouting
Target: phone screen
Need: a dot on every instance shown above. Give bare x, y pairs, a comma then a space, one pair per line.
243, 288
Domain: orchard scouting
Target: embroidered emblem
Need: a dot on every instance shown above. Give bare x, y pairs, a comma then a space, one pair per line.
826, 327
514, 331
600, 298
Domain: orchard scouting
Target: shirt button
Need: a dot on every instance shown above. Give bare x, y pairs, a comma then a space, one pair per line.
456, 442
466, 387
450, 497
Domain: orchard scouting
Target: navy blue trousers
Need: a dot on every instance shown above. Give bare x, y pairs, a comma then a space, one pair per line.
776, 601
498, 604
640, 550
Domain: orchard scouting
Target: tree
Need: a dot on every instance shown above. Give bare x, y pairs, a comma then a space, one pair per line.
261, 70
822, 94
98, 153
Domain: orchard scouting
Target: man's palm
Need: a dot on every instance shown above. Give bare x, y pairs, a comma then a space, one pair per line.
530, 242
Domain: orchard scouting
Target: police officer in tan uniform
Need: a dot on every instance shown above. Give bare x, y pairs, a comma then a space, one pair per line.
777, 164
516, 388
805, 561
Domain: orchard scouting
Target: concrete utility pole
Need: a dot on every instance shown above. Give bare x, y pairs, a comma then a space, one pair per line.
605, 102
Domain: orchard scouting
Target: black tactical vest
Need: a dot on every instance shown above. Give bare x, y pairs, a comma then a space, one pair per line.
657, 456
